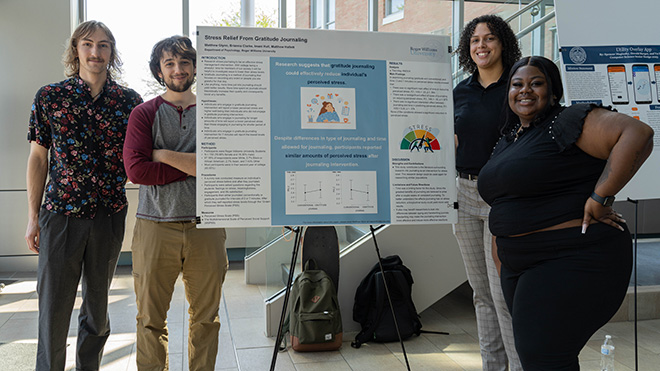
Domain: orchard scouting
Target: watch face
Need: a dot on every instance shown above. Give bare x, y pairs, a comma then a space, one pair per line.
608, 201
605, 201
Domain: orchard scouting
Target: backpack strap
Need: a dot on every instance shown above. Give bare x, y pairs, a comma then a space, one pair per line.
286, 327
433, 332
310, 264
283, 345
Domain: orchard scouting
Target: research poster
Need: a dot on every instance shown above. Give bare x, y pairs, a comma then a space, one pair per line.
313, 127
614, 61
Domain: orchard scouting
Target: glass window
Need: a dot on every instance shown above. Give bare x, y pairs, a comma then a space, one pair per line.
136, 31
317, 13
149, 21
216, 13
228, 13
323, 14
330, 10
393, 6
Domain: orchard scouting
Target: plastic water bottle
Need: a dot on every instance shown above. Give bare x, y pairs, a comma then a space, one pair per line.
607, 354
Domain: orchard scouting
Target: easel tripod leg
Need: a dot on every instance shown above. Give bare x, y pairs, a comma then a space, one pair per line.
294, 258
389, 298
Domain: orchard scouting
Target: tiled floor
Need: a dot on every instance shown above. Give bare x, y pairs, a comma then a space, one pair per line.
244, 347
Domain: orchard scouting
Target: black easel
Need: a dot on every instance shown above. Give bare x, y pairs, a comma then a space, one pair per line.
635, 202
389, 298
387, 290
287, 292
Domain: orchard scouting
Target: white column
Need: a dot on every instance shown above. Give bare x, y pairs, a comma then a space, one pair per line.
457, 21
247, 13
282, 13
78, 13
372, 17
185, 12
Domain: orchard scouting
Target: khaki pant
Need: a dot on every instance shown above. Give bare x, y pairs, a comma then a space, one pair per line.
160, 252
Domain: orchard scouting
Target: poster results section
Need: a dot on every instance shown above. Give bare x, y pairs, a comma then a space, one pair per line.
422, 172
307, 127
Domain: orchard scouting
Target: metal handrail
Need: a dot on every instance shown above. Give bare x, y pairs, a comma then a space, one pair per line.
543, 20
522, 10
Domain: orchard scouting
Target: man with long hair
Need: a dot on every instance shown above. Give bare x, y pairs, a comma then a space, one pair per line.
79, 229
160, 156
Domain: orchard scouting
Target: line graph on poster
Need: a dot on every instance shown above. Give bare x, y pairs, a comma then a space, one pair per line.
331, 192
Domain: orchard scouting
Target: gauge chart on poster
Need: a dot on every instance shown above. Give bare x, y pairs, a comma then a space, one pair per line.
314, 127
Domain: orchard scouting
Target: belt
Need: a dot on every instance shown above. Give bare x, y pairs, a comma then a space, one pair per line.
468, 176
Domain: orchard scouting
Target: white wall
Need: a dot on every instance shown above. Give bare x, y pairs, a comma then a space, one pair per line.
32, 37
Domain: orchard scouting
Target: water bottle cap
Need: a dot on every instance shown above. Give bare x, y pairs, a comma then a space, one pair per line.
608, 336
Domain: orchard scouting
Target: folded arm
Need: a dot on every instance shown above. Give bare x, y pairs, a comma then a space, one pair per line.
140, 165
183, 161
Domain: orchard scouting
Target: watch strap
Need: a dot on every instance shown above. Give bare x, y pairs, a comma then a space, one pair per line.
605, 201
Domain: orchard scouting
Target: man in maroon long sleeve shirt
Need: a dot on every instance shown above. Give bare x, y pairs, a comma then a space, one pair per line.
159, 154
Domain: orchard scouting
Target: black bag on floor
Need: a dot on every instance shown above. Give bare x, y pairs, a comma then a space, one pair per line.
372, 310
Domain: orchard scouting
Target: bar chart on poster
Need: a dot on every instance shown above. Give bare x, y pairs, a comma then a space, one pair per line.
314, 127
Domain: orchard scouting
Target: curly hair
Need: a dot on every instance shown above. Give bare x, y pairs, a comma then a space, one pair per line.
177, 46
555, 89
85, 29
510, 48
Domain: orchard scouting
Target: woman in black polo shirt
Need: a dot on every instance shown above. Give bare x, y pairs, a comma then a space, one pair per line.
487, 49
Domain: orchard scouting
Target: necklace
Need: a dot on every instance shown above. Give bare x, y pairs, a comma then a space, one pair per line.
97, 95
520, 131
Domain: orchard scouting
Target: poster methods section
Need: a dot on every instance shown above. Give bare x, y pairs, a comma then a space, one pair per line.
310, 127
619, 69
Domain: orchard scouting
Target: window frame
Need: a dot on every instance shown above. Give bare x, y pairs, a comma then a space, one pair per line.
325, 23
393, 16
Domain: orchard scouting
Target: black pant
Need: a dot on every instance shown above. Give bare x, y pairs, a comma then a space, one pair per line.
561, 287
70, 248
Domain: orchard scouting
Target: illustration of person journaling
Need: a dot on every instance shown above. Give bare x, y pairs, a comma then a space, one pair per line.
327, 113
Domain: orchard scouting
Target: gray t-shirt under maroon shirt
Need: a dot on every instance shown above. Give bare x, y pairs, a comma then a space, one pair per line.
166, 194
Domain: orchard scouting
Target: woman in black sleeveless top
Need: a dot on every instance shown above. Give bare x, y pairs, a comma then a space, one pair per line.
566, 256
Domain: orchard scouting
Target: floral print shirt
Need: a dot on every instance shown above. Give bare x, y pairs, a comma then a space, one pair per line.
85, 138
